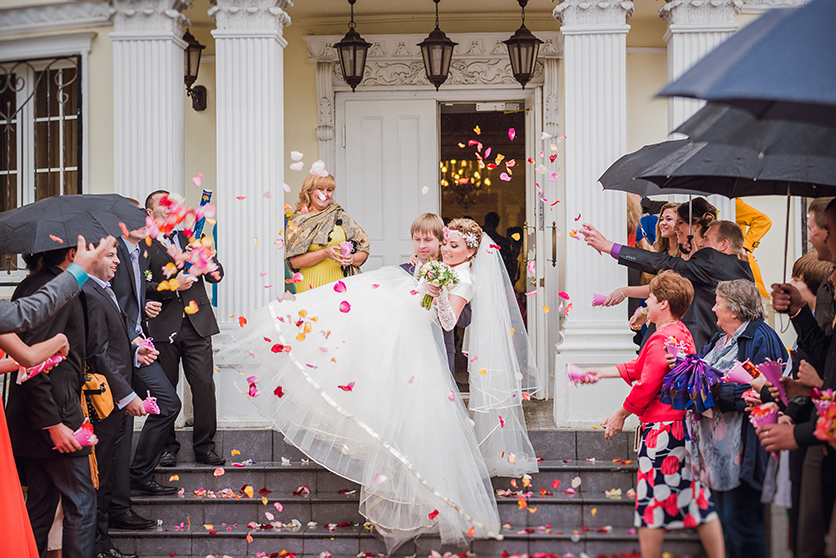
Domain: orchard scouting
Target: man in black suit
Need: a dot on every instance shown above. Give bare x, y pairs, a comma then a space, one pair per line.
129, 285
43, 413
716, 260
186, 337
111, 354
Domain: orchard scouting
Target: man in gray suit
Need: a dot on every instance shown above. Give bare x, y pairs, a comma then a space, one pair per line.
29, 312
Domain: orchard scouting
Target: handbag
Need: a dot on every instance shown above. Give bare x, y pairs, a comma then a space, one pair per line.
98, 396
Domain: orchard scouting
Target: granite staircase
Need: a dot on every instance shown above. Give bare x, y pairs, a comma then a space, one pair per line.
211, 514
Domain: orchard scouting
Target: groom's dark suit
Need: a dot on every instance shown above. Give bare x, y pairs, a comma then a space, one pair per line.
187, 337
46, 401
131, 296
110, 353
449, 336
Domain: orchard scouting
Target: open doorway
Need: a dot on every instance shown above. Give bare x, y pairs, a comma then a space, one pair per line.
482, 175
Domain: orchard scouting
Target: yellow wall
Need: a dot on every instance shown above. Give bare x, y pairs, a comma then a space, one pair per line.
100, 113
647, 117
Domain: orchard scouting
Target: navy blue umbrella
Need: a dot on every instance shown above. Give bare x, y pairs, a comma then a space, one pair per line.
782, 66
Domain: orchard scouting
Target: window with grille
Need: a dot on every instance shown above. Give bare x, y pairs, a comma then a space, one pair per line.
40, 135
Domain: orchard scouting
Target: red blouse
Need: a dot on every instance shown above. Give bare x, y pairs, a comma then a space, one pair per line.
645, 374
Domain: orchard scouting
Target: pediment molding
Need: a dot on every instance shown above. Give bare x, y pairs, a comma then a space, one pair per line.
395, 60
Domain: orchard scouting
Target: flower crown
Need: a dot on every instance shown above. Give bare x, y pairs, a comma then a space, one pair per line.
468, 237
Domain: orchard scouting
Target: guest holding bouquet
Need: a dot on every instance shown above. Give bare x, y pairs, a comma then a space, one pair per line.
666, 495
318, 233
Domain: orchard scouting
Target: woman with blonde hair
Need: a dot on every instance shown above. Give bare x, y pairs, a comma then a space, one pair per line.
315, 233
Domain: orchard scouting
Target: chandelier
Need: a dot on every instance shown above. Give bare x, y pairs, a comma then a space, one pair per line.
464, 181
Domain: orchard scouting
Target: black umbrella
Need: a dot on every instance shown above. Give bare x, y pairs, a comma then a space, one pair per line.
779, 66
622, 175
720, 123
735, 172
714, 168
56, 222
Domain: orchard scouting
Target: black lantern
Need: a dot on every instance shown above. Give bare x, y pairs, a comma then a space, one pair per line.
352, 50
437, 50
192, 64
523, 48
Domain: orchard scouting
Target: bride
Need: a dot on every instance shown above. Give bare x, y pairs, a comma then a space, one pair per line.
355, 375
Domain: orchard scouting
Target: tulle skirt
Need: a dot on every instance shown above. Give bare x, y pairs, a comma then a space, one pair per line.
365, 391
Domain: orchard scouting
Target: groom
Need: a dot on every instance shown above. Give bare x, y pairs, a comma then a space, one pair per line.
427, 233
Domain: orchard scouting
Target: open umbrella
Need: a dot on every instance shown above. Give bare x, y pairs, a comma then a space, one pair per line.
714, 168
735, 172
779, 66
721, 123
56, 222
623, 174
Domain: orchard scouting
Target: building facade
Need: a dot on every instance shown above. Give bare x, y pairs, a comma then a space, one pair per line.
94, 102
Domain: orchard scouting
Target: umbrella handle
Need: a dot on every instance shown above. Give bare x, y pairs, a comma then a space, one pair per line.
787, 233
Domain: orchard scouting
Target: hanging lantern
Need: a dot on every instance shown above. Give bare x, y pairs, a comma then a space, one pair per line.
352, 50
437, 50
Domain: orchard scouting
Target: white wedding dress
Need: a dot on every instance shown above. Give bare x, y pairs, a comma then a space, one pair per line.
365, 391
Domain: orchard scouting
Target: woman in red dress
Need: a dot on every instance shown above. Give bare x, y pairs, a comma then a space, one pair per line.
666, 496
15, 529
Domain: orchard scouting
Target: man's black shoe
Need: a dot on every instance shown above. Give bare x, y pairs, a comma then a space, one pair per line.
209, 458
115, 553
168, 459
152, 488
130, 521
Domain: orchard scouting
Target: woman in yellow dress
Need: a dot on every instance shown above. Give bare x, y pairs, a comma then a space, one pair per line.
315, 232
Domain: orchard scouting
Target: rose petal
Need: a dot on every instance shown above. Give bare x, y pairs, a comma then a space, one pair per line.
339, 287
297, 166
197, 180
296, 156
345, 307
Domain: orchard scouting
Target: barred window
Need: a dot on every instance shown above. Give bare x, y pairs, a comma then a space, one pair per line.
40, 133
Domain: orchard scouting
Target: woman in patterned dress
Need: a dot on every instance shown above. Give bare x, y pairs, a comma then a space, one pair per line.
666, 495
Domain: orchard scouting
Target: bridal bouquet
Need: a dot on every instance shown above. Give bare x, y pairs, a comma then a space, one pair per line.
439, 275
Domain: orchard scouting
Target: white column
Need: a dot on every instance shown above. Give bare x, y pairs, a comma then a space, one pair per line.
148, 96
695, 28
250, 151
595, 116
325, 108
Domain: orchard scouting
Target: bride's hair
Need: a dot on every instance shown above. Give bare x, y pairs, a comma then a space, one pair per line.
468, 227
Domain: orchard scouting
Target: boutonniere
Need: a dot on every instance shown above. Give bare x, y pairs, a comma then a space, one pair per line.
147, 274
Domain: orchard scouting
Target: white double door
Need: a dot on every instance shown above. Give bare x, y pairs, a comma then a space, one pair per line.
387, 172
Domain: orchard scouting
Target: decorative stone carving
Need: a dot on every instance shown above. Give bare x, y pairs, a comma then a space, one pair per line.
264, 15
396, 61
586, 12
55, 16
462, 72
325, 104
700, 11
158, 16
389, 47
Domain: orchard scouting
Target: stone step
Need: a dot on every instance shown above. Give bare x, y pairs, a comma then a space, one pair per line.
559, 509
287, 478
348, 542
270, 445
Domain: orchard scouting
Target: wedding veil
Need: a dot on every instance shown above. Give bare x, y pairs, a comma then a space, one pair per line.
501, 365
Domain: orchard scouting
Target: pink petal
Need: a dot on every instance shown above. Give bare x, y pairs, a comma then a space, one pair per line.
297, 166
279, 507
505, 177
339, 287
197, 180
296, 156
268, 194
344, 307
488, 152
286, 186
532, 293
512, 134
563, 294
380, 478
553, 177
425, 190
